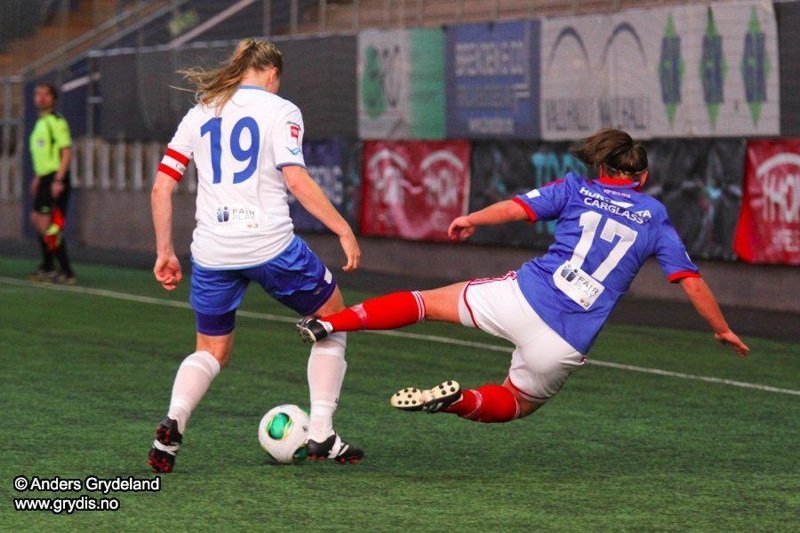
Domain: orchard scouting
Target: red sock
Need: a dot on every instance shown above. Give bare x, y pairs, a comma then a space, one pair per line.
52, 237
58, 218
391, 311
488, 403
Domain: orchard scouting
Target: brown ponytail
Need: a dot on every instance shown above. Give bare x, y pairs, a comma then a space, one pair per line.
215, 87
615, 150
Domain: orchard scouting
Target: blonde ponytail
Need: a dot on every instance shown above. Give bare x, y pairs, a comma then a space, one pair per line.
216, 87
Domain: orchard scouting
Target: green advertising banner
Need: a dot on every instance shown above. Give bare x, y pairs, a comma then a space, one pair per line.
401, 90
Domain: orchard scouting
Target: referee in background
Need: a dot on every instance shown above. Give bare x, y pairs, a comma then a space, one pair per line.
51, 150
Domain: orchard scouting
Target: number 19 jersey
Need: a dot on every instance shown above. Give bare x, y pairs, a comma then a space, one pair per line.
242, 213
605, 232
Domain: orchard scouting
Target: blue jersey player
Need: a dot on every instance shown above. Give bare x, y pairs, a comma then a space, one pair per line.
554, 306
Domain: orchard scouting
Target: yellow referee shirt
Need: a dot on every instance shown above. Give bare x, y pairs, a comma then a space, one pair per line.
49, 136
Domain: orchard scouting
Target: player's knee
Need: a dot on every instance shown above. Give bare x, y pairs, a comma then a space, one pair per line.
221, 351
526, 407
334, 304
222, 356
219, 346
538, 390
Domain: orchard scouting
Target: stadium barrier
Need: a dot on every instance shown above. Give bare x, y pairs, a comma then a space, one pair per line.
703, 194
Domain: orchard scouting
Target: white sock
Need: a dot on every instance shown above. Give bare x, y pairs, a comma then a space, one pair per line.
194, 376
326, 368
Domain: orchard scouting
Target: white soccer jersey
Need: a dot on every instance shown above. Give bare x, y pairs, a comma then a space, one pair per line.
242, 212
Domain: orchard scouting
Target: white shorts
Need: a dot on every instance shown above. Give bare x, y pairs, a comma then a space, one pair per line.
542, 360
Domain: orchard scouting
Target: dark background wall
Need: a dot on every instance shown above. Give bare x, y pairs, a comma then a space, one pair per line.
102, 225
788, 16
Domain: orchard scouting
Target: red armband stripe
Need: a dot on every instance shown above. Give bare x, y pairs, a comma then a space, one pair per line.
677, 276
177, 156
531, 214
169, 171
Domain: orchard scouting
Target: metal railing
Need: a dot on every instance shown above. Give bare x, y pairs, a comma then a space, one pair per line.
120, 166
12, 110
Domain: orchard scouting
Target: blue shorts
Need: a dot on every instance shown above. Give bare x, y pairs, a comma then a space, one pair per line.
297, 278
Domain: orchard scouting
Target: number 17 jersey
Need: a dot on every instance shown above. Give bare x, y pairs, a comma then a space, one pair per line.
605, 232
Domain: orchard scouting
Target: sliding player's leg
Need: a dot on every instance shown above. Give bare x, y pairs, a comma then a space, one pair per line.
488, 403
540, 364
541, 368
391, 311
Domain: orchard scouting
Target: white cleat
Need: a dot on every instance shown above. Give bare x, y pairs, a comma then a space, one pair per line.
430, 400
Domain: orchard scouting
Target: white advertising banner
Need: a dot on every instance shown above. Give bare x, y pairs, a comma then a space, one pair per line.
383, 66
678, 71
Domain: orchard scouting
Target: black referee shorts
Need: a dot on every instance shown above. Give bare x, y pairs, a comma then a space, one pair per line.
44, 202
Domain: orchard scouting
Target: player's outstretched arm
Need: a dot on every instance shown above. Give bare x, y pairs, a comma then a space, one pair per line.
313, 198
706, 305
463, 227
167, 269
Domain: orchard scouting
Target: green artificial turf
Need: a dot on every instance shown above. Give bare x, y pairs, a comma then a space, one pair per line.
87, 373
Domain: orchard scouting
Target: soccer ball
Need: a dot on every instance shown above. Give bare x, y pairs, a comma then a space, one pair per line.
283, 433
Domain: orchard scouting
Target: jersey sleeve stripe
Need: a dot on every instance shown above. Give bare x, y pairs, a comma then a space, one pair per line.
420, 306
177, 156
531, 214
280, 166
677, 276
169, 171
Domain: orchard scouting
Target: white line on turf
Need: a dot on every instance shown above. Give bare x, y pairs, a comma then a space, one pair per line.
402, 334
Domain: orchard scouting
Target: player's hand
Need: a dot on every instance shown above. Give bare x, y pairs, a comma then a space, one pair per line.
34, 186
168, 271
730, 338
351, 251
461, 229
56, 188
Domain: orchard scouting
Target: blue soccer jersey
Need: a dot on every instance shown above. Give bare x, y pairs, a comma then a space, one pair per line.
605, 232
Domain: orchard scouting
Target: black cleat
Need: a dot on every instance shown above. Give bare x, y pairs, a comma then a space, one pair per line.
333, 448
431, 400
311, 329
165, 446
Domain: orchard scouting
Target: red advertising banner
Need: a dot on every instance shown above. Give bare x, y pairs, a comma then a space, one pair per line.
414, 189
769, 223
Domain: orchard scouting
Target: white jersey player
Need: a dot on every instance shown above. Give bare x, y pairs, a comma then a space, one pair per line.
246, 142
